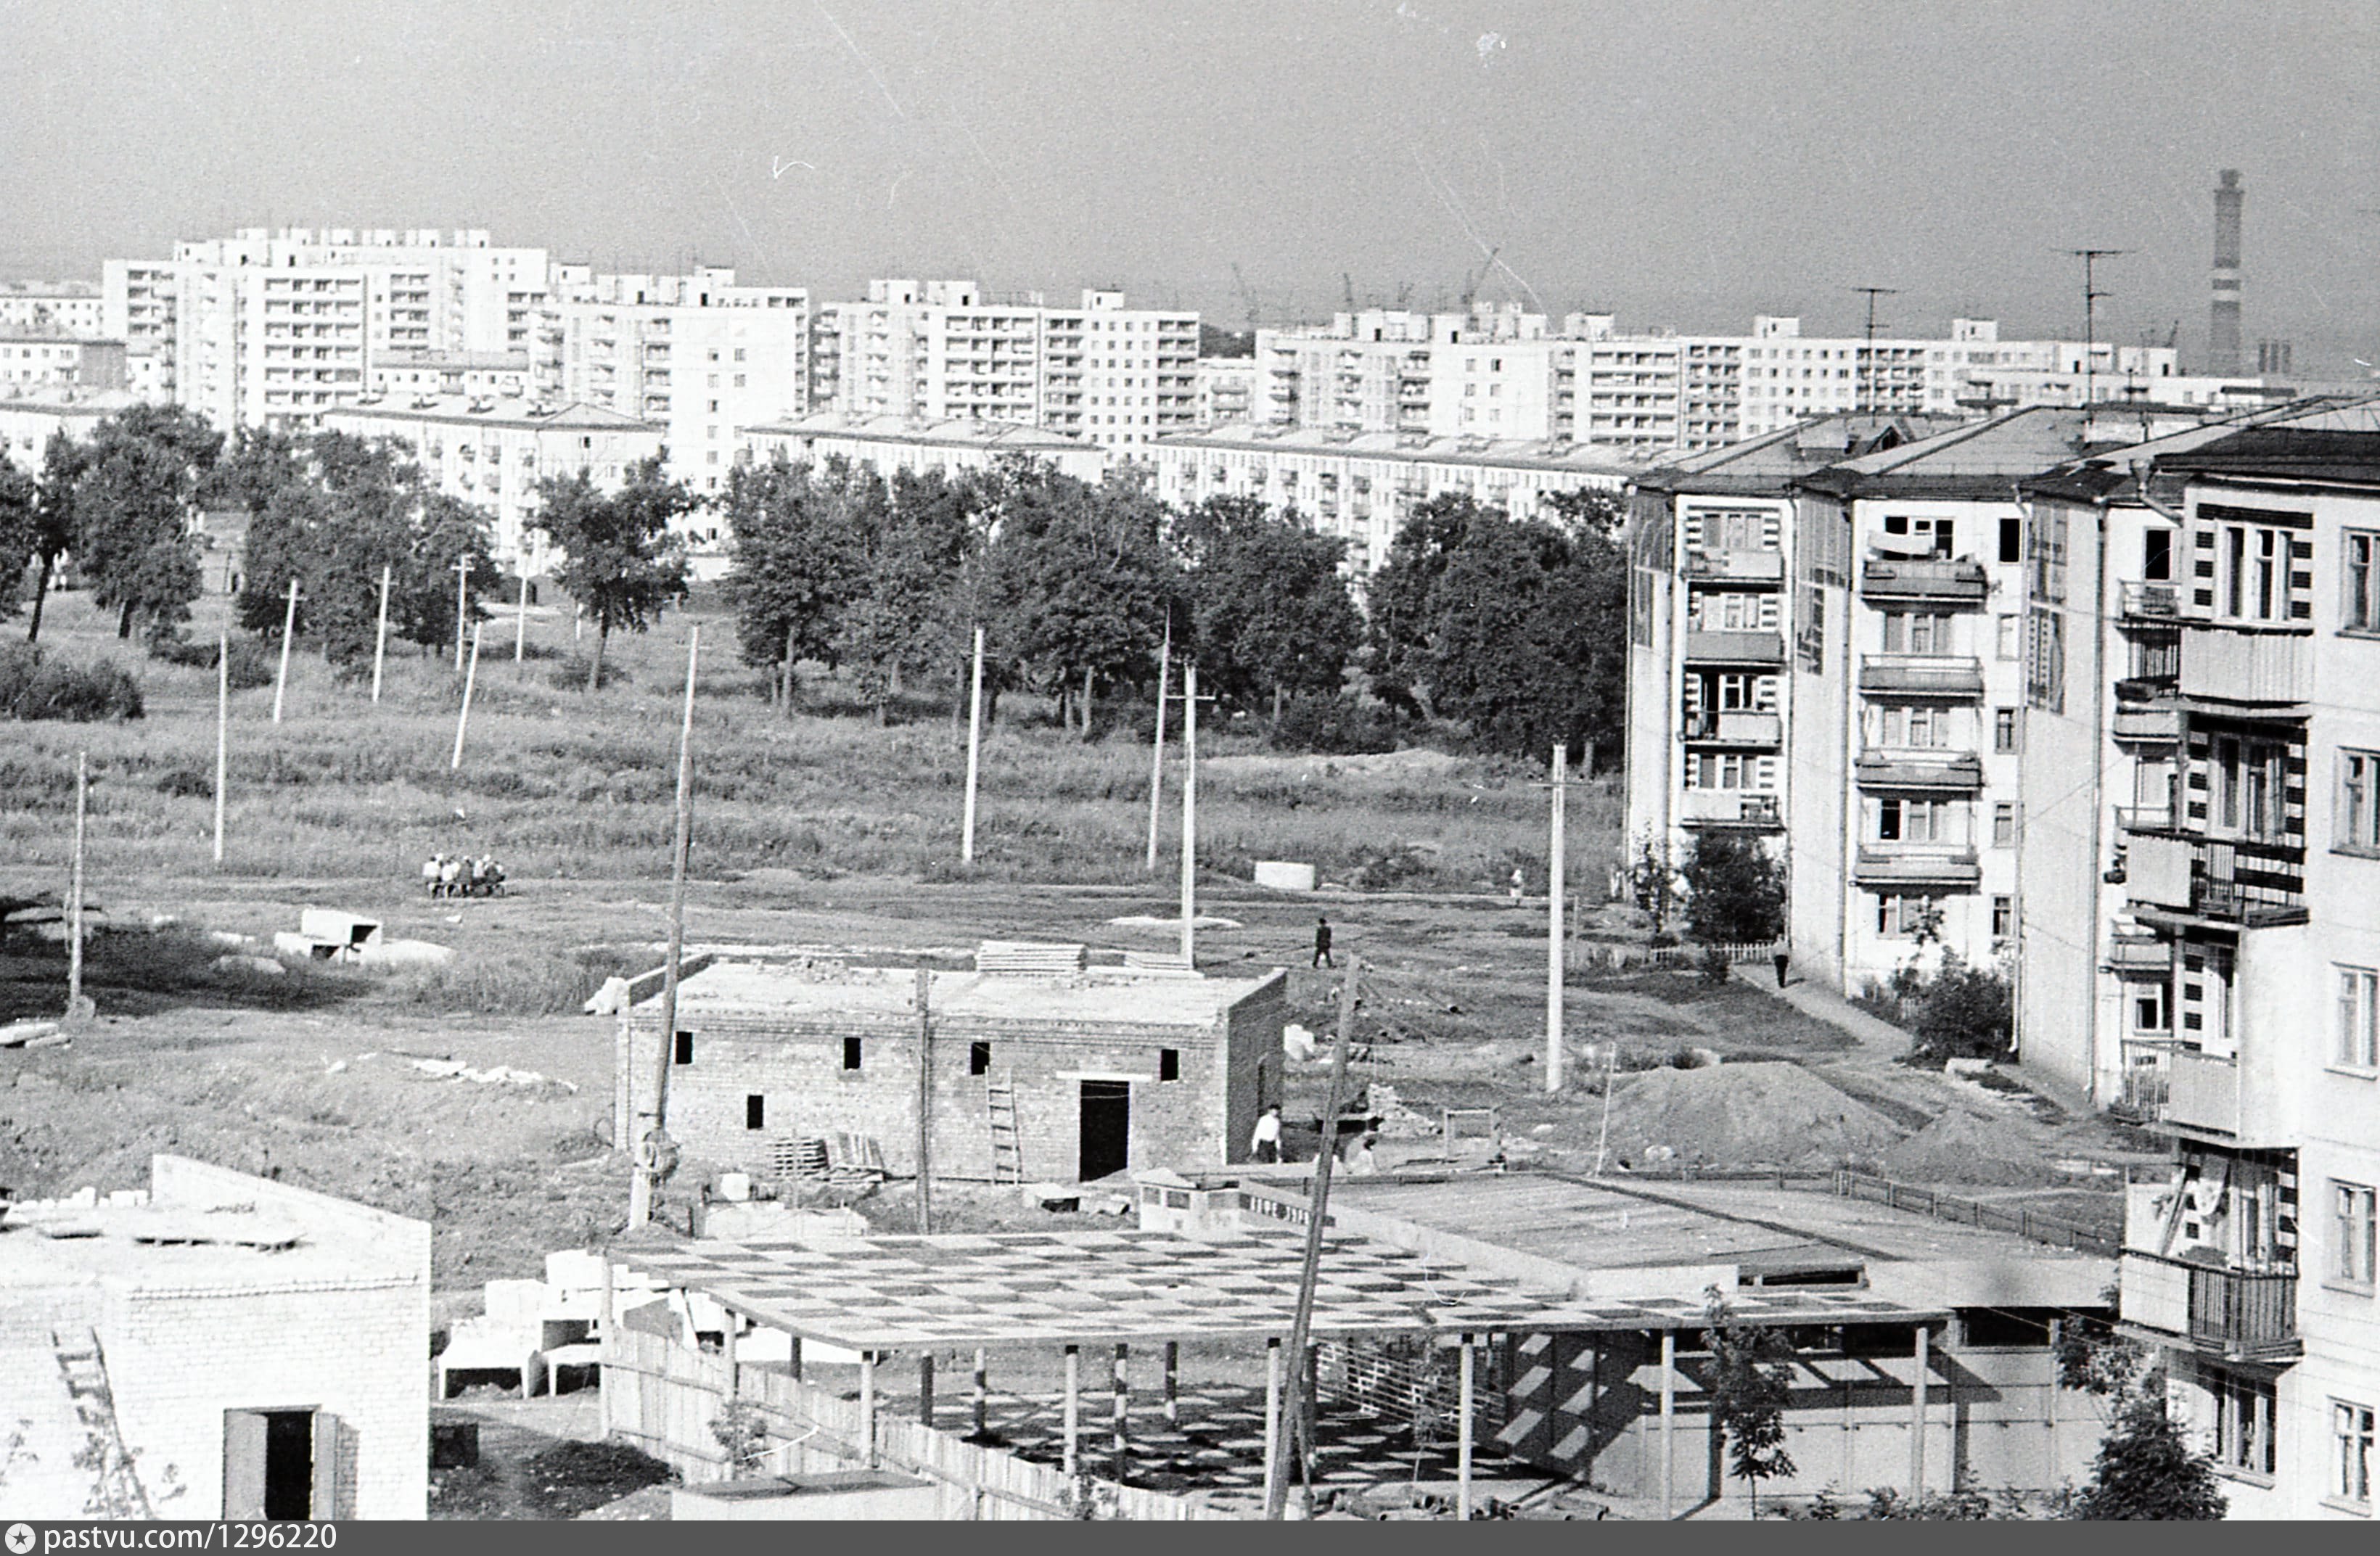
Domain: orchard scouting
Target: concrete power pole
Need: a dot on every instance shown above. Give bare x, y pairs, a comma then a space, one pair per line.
975, 750
380, 634
653, 1143
1555, 869
1189, 811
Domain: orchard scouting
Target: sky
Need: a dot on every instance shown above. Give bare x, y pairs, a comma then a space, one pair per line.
1685, 163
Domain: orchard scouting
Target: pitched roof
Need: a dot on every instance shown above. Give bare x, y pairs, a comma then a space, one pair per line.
1767, 464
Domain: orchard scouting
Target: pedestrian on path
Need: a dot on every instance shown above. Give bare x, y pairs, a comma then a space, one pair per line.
1782, 960
1322, 943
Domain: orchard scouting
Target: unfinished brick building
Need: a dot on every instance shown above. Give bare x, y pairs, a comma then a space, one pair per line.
1088, 1070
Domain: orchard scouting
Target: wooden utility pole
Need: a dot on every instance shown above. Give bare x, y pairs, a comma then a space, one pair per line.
380, 636
1157, 753
1555, 871
924, 1107
470, 680
975, 750
75, 1005
651, 1141
1189, 811
520, 622
1301, 1398
288, 630
222, 732
462, 604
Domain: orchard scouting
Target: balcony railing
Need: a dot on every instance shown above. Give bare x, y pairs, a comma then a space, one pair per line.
1893, 864
1922, 675
1734, 727
1735, 648
2202, 1093
1753, 567
2230, 665
2248, 883
2158, 723
2144, 818
2140, 953
2144, 601
1961, 772
1728, 807
1956, 583
2237, 1314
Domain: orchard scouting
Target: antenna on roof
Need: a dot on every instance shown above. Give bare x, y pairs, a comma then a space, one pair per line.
1867, 355
2091, 295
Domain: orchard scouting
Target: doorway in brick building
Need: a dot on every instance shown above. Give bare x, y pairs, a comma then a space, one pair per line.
1106, 1129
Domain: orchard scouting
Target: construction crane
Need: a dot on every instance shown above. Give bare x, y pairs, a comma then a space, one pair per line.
1472, 283
1247, 295
1347, 289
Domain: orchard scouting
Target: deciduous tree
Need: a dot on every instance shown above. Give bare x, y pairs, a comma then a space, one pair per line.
1736, 890
621, 561
1269, 608
800, 535
132, 503
2146, 1469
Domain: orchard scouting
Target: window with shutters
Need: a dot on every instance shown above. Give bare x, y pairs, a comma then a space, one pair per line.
2253, 565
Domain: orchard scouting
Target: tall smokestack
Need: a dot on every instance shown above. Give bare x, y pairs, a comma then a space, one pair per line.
2223, 319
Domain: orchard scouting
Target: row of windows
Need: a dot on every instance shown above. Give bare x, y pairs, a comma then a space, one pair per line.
1169, 1062
1906, 914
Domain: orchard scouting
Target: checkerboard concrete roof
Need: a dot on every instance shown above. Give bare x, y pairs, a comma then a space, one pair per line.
911, 1293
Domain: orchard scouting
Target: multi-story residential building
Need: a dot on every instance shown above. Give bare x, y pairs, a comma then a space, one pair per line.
887, 446
30, 357
697, 354
2247, 912
492, 454
1711, 538
476, 374
1361, 487
139, 301
1226, 389
53, 307
32, 414
1116, 376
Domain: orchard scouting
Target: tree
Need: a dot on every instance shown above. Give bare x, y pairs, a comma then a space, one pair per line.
2093, 1359
53, 520
1735, 891
620, 560
1750, 1383
1964, 1012
2147, 1469
799, 536
132, 502
1271, 612
1401, 593
899, 618
19, 531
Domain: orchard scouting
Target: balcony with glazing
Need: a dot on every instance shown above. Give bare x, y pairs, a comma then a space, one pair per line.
1924, 581
1728, 807
1739, 728
2179, 878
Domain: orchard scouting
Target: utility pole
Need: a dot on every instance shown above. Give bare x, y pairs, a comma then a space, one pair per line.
925, 1101
1557, 853
380, 636
1301, 1400
471, 679
222, 732
462, 604
288, 630
2091, 295
520, 622
1157, 755
975, 748
1189, 810
77, 1006
1867, 357
653, 1143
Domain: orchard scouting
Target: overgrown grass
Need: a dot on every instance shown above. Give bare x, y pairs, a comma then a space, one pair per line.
558, 783
512, 982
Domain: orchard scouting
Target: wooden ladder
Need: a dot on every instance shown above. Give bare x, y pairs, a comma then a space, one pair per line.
83, 1368
1007, 1147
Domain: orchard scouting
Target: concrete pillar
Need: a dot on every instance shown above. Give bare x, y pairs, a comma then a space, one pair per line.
1173, 1384
868, 1408
1668, 1418
1073, 1407
1463, 1434
1122, 1356
1917, 1415
926, 1389
726, 1355
982, 1391
1272, 1407
795, 1359
2049, 1409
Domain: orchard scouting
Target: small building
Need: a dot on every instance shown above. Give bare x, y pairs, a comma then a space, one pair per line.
1091, 1070
889, 445
215, 1345
31, 414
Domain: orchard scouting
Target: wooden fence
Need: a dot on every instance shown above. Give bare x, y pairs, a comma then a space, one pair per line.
662, 1397
1604, 956
2038, 1226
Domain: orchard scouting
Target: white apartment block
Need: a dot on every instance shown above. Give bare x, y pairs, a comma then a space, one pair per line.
696, 355
1117, 377
53, 307
31, 357
1225, 392
889, 446
1362, 487
478, 375
2204, 638
492, 454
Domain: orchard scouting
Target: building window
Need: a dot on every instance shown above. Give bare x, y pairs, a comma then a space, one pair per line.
2157, 556
2358, 1018
1899, 913
2003, 827
2351, 1429
2249, 789
2362, 611
684, 1054
2152, 1009
2003, 917
2003, 729
2007, 639
2357, 829
2044, 660
756, 1111
978, 1058
851, 1052
1916, 632
2243, 1421
2351, 1232
2011, 540
1919, 727
1912, 821
1169, 1064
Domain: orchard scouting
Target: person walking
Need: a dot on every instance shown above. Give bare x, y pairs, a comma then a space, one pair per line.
1781, 960
1322, 943
1268, 1136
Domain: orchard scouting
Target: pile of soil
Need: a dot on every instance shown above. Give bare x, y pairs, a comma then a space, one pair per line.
1770, 1115
2010, 1152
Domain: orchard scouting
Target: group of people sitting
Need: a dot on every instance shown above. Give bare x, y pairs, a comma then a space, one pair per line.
461, 876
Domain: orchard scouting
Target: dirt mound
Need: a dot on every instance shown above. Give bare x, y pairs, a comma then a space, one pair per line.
1745, 1116
1964, 1147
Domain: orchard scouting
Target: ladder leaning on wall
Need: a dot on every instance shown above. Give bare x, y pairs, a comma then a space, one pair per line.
1007, 1148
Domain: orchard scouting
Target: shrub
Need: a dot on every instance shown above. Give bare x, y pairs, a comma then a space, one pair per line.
1336, 727
253, 663
186, 783
34, 687
1964, 1013
1736, 891
570, 675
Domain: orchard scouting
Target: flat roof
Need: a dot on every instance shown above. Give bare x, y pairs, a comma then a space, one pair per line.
909, 1293
1121, 996
998, 436
1763, 463
1515, 453
502, 411
149, 1245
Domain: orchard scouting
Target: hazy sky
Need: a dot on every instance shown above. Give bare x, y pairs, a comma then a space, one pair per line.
1684, 162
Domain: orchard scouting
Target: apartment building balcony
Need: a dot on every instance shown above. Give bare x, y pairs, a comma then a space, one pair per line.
1894, 865
1948, 772
2141, 955
1739, 567
2158, 723
1741, 647
1734, 727
2155, 820
1938, 582
1728, 807
2237, 1315
2233, 883
1922, 675
2236, 665
2141, 601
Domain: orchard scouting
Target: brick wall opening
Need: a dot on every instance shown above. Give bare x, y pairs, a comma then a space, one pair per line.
756, 1111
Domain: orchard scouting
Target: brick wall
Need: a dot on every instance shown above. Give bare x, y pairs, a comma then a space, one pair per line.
1201, 1119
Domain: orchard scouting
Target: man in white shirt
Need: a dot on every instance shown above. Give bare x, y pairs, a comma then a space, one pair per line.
1268, 1136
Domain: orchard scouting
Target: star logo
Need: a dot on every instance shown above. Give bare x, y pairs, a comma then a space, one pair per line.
20, 1539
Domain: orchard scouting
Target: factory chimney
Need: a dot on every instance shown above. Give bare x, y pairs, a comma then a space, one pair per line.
2223, 321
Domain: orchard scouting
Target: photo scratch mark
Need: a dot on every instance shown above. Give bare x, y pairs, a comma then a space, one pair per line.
778, 169
861, 55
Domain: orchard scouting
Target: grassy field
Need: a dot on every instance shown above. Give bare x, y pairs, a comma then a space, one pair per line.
561, 784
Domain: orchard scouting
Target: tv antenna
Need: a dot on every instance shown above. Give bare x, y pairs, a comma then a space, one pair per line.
2091, 295
1868, 356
